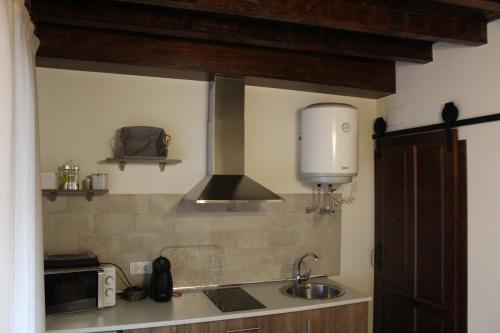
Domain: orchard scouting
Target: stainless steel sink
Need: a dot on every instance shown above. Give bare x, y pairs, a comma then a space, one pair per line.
312, 291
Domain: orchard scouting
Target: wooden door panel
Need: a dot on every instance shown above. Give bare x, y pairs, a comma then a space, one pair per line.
395, 210
282, 323
429, 324
316, 321
349, 319
397, 316
247, 325
342, 319
217, 327
421, 231
430, 225
192, 328
167, 329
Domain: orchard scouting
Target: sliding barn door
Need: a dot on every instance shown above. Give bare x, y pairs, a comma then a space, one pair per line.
420, 235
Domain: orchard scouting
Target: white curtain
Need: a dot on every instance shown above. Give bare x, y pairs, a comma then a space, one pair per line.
21, 248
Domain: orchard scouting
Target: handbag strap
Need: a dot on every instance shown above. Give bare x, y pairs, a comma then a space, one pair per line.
166, 140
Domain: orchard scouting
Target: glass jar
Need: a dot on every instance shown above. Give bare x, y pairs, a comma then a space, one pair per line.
69, 177
64, 172
87, 183
74, 178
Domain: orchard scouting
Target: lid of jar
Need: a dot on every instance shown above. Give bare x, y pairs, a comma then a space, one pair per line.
75, 167
66, 167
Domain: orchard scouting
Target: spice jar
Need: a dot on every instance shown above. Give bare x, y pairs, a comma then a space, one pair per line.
69, 177
74, 178
87, 183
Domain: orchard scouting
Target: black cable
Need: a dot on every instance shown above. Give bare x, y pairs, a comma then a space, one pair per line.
121, 270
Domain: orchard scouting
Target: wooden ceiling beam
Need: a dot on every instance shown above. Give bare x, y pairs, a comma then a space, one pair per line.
488, 5
206, 26
366, 17
354, 76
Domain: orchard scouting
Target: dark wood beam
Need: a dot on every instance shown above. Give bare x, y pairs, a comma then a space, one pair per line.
489, 5
353, 76
360, 16
206, 26
493, 16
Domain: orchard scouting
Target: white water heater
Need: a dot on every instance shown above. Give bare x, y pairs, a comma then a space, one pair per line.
329, 143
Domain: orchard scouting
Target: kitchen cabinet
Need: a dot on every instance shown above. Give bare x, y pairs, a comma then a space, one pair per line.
339, 319
283, 323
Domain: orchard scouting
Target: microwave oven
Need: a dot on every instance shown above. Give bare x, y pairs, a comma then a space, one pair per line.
77, 289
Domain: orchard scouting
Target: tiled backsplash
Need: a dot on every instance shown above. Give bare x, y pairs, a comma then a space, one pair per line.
216, 244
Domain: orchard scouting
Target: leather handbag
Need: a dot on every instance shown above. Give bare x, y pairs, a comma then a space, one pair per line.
143, 142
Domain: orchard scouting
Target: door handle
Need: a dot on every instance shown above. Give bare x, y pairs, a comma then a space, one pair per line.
377, 256
244, 330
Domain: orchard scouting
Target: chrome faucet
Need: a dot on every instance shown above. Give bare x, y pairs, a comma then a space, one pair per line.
299, 278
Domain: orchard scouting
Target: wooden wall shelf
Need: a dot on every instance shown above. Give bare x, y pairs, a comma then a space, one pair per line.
162, 162
89, 194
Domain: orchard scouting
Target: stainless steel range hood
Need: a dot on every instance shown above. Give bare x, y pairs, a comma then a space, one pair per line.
225, 181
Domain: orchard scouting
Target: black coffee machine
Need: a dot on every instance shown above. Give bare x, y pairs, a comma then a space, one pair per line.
161, 285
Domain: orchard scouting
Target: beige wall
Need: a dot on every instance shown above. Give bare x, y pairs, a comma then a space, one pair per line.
79, 112
469, 76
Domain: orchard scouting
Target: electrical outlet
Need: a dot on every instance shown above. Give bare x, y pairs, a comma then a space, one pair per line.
142, 267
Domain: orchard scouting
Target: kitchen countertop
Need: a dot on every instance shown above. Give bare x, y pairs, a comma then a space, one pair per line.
192, 307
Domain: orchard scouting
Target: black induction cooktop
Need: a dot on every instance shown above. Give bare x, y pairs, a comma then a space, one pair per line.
233, 299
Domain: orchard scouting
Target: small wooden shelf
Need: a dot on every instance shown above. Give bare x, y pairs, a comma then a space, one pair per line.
89, 194
162, 162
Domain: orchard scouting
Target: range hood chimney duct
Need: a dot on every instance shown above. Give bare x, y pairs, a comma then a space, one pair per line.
226, 181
